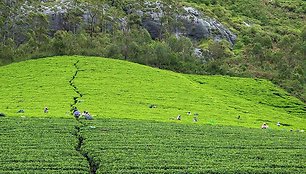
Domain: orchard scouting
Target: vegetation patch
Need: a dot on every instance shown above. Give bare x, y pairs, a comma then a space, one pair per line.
120, 89
39, 145
32, 85
136, 126
130, 146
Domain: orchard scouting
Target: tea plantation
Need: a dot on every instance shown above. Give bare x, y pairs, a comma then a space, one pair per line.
32, 85
133, 146
135, 129
35, 145
113, 88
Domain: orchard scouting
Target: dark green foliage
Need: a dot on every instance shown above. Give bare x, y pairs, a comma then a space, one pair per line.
271, 40
130, 146
36, 145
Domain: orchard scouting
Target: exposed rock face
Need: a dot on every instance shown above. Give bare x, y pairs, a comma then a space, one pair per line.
54, 10
193, 25
190, 22
203, 27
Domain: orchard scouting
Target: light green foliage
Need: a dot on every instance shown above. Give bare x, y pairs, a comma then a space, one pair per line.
35, 84
120, 89
129, 146
113, 88
129, 136
36, 145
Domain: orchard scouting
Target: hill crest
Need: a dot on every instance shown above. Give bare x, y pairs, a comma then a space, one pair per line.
119, 89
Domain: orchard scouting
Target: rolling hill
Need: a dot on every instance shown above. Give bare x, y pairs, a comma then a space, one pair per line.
243, 38
110, 88
135, 128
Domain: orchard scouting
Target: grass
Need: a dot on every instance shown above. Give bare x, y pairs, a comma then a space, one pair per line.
119, 89
131, 146
39, 145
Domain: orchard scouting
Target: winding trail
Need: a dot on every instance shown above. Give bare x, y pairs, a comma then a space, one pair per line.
93, 165
74, 86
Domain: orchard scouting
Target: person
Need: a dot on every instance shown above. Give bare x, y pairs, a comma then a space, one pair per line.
278, 124
195, 119
152, 106
20, 111
188, 113
87, 116
238, 117
76, 114
46, 110
264, 126
178, 117
84, 113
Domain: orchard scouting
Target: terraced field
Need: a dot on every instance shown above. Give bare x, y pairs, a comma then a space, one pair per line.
135, 128
35, 145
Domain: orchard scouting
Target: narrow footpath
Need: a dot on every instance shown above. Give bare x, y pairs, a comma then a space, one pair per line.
93, 165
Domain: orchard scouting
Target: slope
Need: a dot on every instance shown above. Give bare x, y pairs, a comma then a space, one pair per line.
34, 84
119, 89
36, 145
133, 146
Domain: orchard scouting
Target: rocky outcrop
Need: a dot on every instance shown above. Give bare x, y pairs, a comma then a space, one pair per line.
189, 22
199, 27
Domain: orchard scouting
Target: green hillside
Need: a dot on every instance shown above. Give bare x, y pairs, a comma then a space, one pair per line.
110, 88
135, 128
224, 66
32, 85
260, 38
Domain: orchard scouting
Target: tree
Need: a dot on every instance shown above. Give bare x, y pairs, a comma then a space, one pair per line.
7, 51
60, 42
219, 50
181, 45
73, 19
